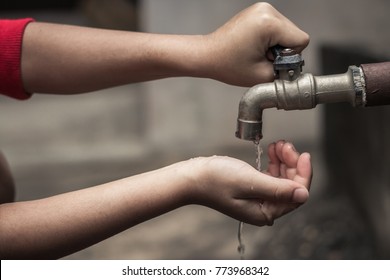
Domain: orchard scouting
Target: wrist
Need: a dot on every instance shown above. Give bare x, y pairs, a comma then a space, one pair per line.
205, 57
185, 55
192, 180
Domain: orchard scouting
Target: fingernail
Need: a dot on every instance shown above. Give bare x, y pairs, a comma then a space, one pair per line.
300, 195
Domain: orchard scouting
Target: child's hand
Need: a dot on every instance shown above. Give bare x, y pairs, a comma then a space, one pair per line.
235, 188
239, 50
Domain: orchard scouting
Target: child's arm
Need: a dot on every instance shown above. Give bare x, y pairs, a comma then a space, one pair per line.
67, 59
60, 225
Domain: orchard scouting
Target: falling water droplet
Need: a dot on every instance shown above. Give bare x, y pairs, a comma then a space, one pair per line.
241, 245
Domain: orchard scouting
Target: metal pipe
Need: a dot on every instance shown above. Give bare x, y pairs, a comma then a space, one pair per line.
377, 78
368, 85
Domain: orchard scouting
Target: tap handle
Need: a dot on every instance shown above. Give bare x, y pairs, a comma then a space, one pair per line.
277, 51
288, 61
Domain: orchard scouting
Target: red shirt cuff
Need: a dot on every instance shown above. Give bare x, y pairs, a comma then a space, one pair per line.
11, 36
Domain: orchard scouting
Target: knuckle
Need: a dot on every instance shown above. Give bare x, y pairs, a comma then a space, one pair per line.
283, 193
263, 6
306, 39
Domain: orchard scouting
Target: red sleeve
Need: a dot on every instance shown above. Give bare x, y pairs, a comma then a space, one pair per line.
11, 35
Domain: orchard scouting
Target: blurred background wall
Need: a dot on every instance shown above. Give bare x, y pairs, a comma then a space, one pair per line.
57, 144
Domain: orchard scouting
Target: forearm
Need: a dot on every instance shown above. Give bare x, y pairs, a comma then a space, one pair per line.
69, 59
60, 225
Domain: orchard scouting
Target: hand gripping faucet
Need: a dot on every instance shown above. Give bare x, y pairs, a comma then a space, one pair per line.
367, 85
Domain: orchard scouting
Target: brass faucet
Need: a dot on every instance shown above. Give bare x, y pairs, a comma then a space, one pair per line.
367, 85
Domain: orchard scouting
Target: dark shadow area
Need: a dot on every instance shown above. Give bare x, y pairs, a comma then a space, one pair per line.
356, 153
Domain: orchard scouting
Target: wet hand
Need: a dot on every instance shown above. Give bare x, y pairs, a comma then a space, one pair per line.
286, 163
235, 188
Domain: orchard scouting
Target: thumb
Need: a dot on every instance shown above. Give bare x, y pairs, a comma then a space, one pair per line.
275, 189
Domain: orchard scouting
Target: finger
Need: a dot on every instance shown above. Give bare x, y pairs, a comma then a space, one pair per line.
290, 155
278, 149
274, 162
299, 41
270, 188
279, 152
304, 170
283, 170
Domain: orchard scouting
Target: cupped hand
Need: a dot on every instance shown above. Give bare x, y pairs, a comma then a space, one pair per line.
236, 189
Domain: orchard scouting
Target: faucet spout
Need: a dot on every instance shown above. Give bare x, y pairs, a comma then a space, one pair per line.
252, 104
303, 92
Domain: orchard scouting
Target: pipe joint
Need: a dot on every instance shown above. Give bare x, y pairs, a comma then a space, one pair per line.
298, 94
